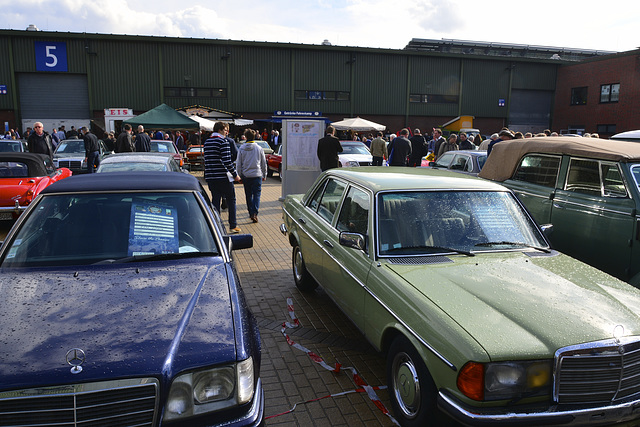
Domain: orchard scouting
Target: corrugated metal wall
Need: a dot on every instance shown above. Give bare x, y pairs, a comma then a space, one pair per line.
135, 72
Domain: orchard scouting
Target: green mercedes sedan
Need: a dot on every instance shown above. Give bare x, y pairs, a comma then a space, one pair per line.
480, 319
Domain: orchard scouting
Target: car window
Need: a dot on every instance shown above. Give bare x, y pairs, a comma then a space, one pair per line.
434, 221
326, 201
538, 169
162, 147
13, 170
445, 160
354, 215
612, 182
583, 177
70, 146
481, 161
354, 149
82, 229
132, 166
10, 147
461, 162
49, 166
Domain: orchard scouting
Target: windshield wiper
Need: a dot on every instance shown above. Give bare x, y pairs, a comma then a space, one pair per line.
156, 257
545, 250
440, 248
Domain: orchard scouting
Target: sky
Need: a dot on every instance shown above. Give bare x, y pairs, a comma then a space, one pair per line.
387, 24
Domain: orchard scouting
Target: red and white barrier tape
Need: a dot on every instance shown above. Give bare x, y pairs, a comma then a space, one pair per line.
363, 387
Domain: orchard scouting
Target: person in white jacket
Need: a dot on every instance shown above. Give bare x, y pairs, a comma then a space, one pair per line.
251, 165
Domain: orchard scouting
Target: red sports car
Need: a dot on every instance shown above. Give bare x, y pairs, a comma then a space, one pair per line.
22, 177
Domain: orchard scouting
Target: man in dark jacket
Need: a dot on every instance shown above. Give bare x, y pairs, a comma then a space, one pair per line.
92, 150
39, 141
328, 149
124, 144
399, 149
142, 141
418, 148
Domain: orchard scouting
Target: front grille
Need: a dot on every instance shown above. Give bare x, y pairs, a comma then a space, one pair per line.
601, 372
70, 164
364, 163
111, 403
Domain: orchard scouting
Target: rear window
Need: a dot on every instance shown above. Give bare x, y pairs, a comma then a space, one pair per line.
13, 170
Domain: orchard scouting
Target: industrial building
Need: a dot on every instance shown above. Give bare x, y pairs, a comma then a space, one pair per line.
78, 78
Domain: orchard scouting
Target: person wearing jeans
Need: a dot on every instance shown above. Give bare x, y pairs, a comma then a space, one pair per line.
251, 164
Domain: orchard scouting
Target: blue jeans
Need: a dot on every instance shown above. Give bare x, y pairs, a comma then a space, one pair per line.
220, 188
252, 191
93, 160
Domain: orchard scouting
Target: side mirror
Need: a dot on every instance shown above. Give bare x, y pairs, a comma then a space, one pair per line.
353, 240
241, 241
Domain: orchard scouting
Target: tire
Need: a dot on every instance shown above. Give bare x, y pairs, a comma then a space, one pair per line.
280, 171
302, 278
411, 389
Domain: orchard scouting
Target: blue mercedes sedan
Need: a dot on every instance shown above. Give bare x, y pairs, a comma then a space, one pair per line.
121, 306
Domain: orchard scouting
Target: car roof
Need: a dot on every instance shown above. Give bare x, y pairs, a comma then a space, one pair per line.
379, 178
630, 135
505, 155
138, 157
125, 181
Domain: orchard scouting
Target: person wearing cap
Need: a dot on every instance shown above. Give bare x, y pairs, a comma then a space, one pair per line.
504, 135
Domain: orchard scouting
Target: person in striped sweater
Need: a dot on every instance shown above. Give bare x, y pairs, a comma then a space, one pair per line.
220, 172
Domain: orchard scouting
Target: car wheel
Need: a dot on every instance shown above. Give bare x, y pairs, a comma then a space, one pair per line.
280, 172
301, 276
411, 388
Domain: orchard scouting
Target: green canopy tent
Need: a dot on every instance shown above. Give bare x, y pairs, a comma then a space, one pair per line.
163, 117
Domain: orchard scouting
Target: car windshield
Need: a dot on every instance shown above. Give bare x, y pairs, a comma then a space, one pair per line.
8, 147
451, 221
70, 146
162, 147
354, 149
82, 229
132, 166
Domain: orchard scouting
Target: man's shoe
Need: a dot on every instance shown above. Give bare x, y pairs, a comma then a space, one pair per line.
235, 230
254, 217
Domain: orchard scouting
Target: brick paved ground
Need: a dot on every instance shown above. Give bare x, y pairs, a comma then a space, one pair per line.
289, 376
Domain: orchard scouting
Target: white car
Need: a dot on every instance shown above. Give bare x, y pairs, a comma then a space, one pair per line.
631, 135
354, 153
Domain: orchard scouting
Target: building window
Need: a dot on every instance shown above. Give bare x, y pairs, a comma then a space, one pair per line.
319, 95
609, 93
193, 92
433, 99
579, 96
606, 129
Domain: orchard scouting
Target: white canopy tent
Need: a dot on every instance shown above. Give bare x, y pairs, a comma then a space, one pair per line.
357, 124
207, 124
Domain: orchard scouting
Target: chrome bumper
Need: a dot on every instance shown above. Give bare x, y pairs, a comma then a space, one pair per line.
283, 229
15, 208
591, 416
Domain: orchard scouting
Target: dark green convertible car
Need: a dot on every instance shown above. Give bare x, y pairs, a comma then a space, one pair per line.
480, 320
586, 188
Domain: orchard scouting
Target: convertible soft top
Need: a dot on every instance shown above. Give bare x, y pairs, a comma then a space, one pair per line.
34, 161
505, 156
126, 181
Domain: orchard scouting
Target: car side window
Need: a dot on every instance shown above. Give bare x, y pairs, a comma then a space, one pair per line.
445, 160
538, 169
331, 199
460, 163
612, 182
584, 177
354, 215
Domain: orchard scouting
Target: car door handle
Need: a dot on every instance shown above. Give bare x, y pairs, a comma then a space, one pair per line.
302, 220
327, 243
557, 206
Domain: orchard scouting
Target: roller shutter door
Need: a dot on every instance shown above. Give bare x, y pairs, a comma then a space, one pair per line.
53, 96
530, 110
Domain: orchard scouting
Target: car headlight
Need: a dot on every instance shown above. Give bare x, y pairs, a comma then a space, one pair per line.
505, 380
84, 164
351, 163
210, 390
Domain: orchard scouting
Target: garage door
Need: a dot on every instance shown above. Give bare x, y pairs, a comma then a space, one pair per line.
530, 110
53, 96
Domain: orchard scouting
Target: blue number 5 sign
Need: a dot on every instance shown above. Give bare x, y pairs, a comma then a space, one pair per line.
51, 56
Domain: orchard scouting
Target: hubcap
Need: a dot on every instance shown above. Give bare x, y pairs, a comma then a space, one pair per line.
298, 265
406, 385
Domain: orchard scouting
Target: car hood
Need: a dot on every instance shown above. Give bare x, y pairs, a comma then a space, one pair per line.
514, 304
144, 319
355, 157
